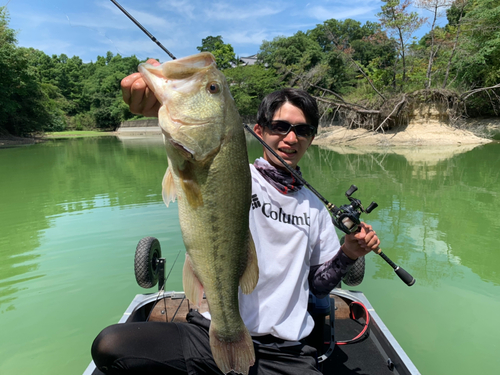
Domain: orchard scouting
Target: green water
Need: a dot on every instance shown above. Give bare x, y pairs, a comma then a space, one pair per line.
72, 212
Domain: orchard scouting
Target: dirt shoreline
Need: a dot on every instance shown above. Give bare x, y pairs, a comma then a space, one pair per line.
12, 141
416, 134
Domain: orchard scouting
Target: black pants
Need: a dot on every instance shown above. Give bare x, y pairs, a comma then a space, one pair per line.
179, 348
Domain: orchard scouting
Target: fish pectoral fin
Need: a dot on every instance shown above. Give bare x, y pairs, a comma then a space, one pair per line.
235, 353
250, 277
192, 285
189, 184
168, 192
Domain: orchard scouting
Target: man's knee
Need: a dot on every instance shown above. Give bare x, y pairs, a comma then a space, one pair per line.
105, 345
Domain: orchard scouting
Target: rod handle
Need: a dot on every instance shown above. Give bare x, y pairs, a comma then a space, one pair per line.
403, 275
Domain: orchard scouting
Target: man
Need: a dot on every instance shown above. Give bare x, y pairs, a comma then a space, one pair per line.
297, 249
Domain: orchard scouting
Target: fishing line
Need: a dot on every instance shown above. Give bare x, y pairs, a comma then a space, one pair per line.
173, 264
178, 307
162, 291
161, 288
341, 219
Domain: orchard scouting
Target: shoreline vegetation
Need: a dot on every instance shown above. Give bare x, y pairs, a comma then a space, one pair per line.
375, 76
417, 134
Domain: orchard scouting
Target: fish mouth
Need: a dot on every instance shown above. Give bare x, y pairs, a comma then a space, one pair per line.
186, 152
182, 148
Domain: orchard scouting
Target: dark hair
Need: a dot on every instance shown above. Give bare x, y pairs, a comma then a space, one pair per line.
299, 98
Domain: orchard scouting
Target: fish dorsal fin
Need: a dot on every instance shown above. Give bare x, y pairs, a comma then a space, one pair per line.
169, 193
250, 277
192, 285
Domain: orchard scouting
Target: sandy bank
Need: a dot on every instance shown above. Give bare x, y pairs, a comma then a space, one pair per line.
421, 142
417, 133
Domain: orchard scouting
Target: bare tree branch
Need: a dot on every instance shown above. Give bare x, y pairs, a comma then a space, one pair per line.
465, 95
396, 107
349, 106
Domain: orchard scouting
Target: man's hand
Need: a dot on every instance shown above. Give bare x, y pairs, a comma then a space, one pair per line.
361, 243
139, 96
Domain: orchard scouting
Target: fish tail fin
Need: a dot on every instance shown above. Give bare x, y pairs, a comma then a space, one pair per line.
168, 192
192, 285
236, 354
250, 277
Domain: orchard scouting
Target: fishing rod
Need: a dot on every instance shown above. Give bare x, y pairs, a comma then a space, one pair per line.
143, 29
345, 217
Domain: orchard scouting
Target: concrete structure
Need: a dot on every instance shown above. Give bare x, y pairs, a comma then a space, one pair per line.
147, 127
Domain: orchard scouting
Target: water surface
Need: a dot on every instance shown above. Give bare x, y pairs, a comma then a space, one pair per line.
72, 212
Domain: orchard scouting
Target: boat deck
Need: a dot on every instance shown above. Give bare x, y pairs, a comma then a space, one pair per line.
377, 354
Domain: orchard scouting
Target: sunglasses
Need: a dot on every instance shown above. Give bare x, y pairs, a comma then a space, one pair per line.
283, 127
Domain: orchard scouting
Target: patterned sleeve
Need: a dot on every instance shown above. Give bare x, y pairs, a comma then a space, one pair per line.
324, 277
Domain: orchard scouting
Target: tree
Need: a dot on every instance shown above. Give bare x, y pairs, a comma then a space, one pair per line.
479, 65
249, 85
24, 106
437, 8
355, 46
101, 92
300, 61
401, 23
455, 16
223, 53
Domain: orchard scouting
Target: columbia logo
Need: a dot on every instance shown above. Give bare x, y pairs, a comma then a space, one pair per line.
255, 201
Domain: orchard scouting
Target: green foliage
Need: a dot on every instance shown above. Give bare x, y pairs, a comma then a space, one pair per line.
302, 62
249, 85
479, 65
24, 105
52, 93
223, 53
401, 24
331, 55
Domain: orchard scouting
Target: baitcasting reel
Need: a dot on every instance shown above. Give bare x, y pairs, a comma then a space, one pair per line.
346, 217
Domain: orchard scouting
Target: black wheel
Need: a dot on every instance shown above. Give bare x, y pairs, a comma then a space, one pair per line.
147, 253
356, 273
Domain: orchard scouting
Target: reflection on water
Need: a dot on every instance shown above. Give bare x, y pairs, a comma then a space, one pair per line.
72, 212
434, 205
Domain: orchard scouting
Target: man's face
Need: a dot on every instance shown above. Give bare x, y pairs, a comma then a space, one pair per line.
290, 147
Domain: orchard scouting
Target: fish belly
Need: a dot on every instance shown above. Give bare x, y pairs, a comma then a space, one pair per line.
219, 248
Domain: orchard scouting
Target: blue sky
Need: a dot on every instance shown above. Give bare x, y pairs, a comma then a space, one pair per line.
88, 28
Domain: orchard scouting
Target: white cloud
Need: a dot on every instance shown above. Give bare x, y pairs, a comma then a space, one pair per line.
149, 19
322, 13
223, 11
185, 8
245, 37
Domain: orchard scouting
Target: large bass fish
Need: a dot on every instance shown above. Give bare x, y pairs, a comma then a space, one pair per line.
208, 173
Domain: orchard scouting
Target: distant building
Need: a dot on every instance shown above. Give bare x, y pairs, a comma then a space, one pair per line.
250, 60
244, 61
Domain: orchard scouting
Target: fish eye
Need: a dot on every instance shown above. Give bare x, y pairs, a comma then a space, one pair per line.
213, 88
